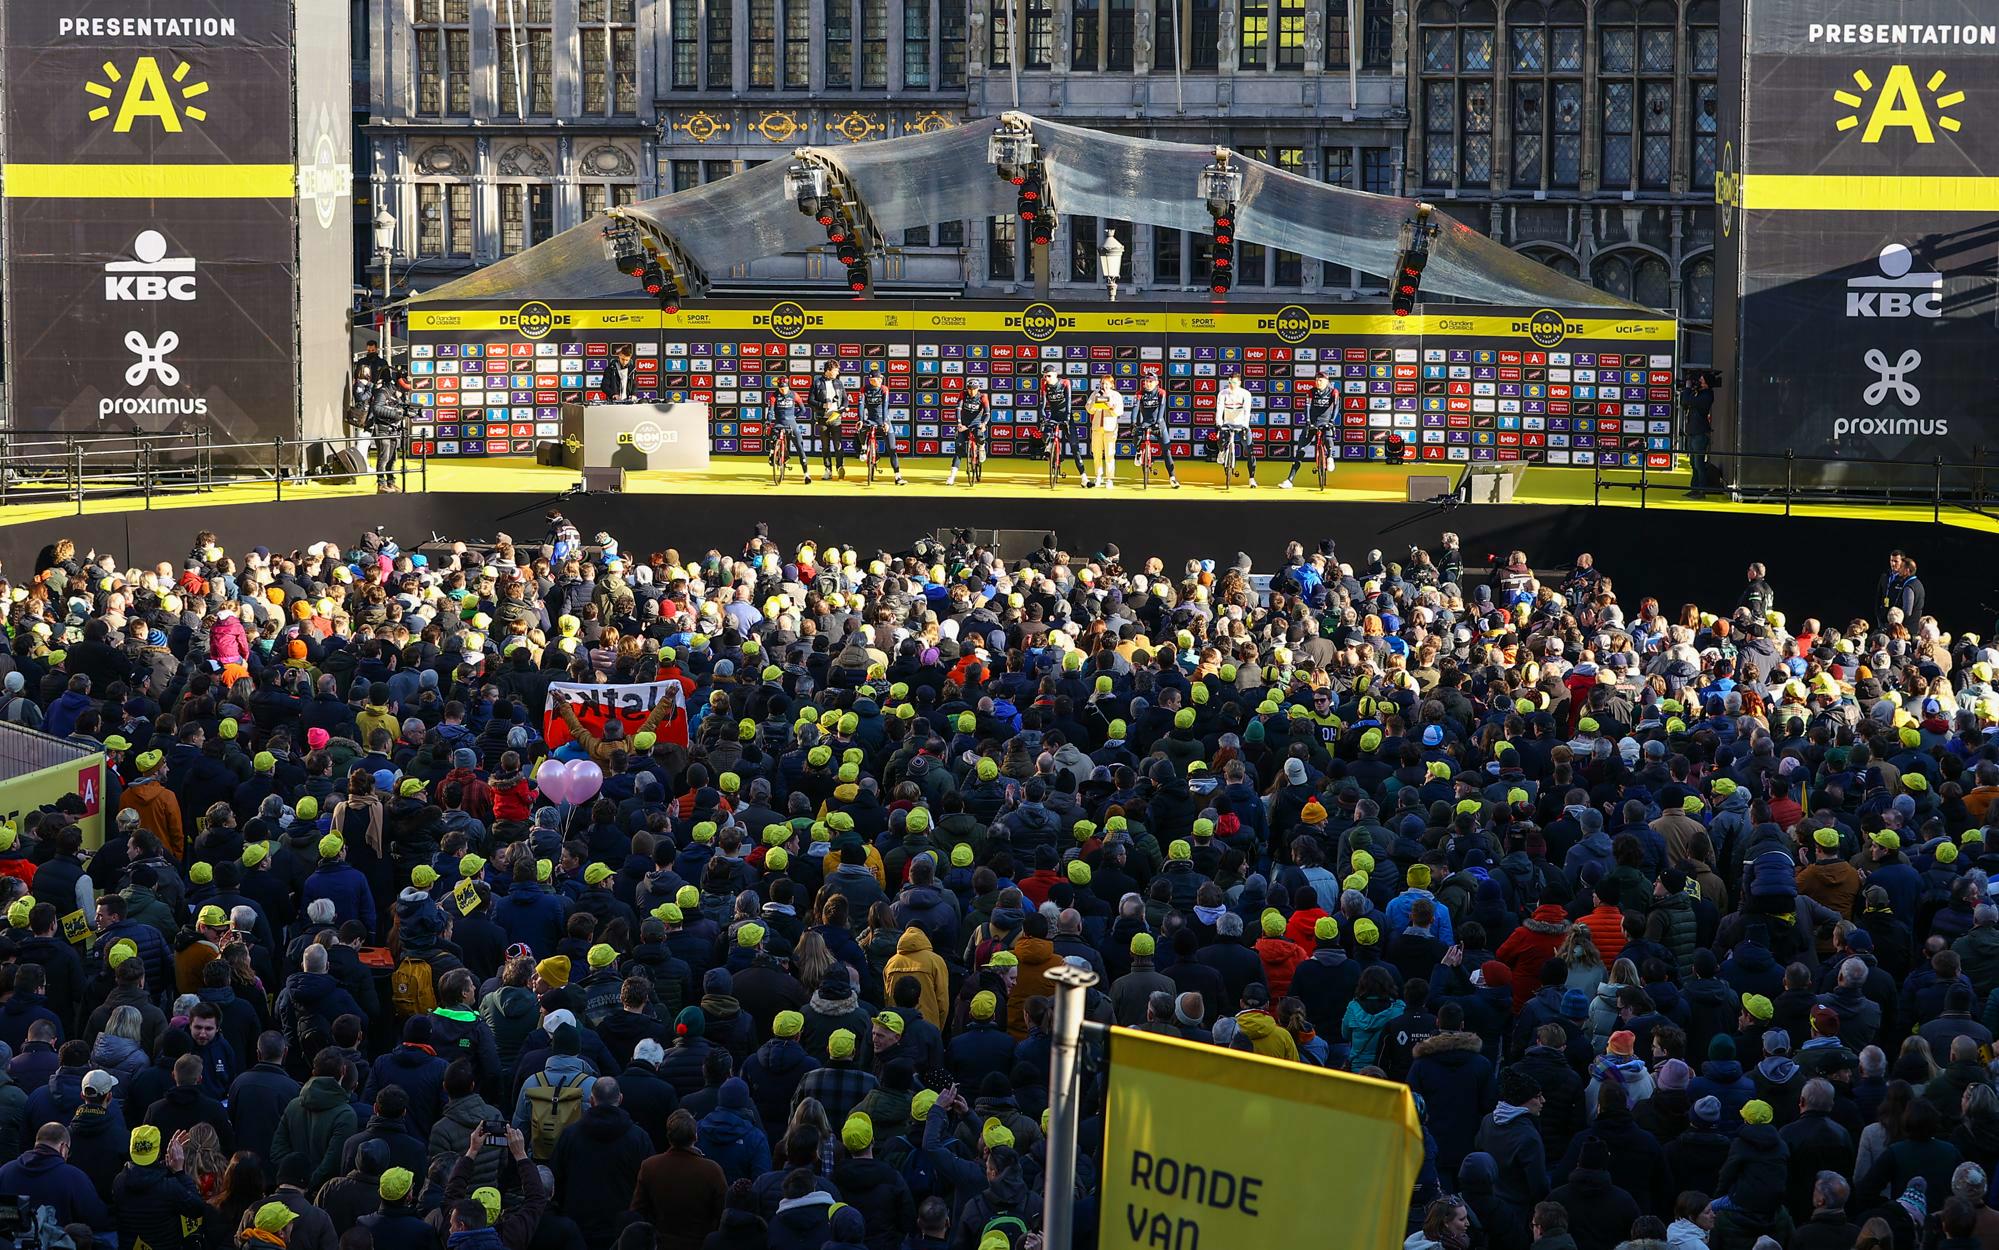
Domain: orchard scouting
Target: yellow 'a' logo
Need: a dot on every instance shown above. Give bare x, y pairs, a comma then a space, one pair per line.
1899, 103
147, 93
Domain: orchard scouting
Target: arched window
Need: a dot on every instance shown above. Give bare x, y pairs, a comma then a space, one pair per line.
1698, 290
1637, 276
1545, 66
1559, 261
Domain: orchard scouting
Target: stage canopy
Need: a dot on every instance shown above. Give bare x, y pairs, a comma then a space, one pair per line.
944, 175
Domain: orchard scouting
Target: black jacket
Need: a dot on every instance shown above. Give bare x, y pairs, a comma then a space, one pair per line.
150, 1204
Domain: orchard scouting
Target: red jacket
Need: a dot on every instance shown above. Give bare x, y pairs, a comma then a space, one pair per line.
515, 800
478, 798
1303, 928
1606, 926
1530, 946
1035, 886
1281, 957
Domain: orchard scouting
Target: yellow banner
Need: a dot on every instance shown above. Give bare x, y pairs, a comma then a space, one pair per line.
1040, 321
628, 319
760, 321
1877, 193
83, 777
1217, 1148
151, 182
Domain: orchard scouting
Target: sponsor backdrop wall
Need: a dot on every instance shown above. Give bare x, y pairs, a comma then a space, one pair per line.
1455, 384
153, 215
1859, 211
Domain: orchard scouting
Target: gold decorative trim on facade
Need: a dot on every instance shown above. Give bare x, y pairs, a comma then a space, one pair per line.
777, 125
701, 125
924, 123
857, 127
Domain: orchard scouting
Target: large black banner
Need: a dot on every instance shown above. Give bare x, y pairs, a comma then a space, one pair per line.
1858, 211
1455, 385
150, 237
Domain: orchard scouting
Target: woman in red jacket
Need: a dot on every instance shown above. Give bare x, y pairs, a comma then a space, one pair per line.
1530, 946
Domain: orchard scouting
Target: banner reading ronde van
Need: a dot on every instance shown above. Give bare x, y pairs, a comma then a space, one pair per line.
151, 193
1210, 1149
656, 706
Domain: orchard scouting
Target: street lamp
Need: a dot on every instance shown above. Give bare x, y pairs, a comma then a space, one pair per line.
385, 247
1110, 260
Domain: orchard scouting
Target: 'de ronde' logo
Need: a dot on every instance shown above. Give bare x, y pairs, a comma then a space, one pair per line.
1546, 328
787, 320
1292, 323
1040, 322
148, 91
531, 320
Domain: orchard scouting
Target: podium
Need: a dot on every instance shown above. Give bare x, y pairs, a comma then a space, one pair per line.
635, 437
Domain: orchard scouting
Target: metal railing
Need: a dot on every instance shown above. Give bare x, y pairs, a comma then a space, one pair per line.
1794, 480
78, 468
24, 751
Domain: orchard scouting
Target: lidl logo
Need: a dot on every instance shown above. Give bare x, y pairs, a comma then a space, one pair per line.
1899, 103
148, 91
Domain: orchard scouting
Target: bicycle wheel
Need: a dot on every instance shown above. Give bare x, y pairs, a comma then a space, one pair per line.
1228, 464
778, 458
871, 458
1323, 465
1144, 463
978, 461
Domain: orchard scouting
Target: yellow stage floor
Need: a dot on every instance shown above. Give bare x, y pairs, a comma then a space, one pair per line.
1023, 480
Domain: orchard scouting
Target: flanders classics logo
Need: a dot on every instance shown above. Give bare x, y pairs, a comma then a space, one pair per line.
146, 93
1293, 324
1899, 103
1546, 328
1040, 322
532, 320
787, 320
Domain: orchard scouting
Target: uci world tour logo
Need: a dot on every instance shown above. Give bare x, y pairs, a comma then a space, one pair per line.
787, 320
147, 91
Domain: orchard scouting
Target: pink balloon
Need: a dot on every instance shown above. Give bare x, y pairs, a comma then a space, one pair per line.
585, 779
553, 781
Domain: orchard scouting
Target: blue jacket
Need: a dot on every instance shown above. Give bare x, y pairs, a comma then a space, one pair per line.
152, 947
731, 1136
1398, 915
420, 1074
347, 887
532, 916
48, 1181
21, 1011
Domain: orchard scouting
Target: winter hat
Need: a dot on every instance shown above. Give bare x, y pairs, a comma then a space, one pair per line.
690, 1023
1721, 1046
1706, 1112
554, 970
395, 1184
1518, 1088
1673, 1074
1756, 1111
1759, 1008
858, 1133
1575, 1004
1916, 1201
1621, 1043
1273, 922
841, 1044
788, 1024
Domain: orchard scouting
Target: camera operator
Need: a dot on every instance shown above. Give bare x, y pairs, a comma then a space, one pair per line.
1697, 416
386, 422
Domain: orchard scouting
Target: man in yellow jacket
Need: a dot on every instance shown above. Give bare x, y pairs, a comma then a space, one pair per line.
914, 958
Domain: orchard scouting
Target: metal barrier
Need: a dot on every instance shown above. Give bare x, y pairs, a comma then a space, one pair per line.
77, 468
1775, 478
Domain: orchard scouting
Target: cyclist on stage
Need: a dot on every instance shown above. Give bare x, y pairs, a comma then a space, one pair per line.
1150, 418
1322, 415
829, 400
1232, 409
1106, 412
874, 416
1058, 410
975, 414
788, 416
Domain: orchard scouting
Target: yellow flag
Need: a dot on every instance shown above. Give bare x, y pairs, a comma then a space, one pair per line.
1219, 1148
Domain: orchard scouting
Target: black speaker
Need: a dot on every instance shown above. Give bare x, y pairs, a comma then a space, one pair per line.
1424, 487
603, 478
343, 467
548, 453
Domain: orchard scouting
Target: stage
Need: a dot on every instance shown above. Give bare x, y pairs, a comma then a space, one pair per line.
1829, 555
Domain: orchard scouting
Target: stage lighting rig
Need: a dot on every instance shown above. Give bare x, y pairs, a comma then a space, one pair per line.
1414, 255
1221, 187
1016, 157
822, 192
642, 251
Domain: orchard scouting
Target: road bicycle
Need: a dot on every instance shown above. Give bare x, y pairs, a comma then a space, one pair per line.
871, 450
1142, 457
1052, 437
1225, 455
975, 456
780, 456
1321, 453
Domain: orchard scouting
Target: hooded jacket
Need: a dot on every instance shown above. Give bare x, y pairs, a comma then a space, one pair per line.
914, 957
1531, 945
733, 1136
314, 1128
1456, 1081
